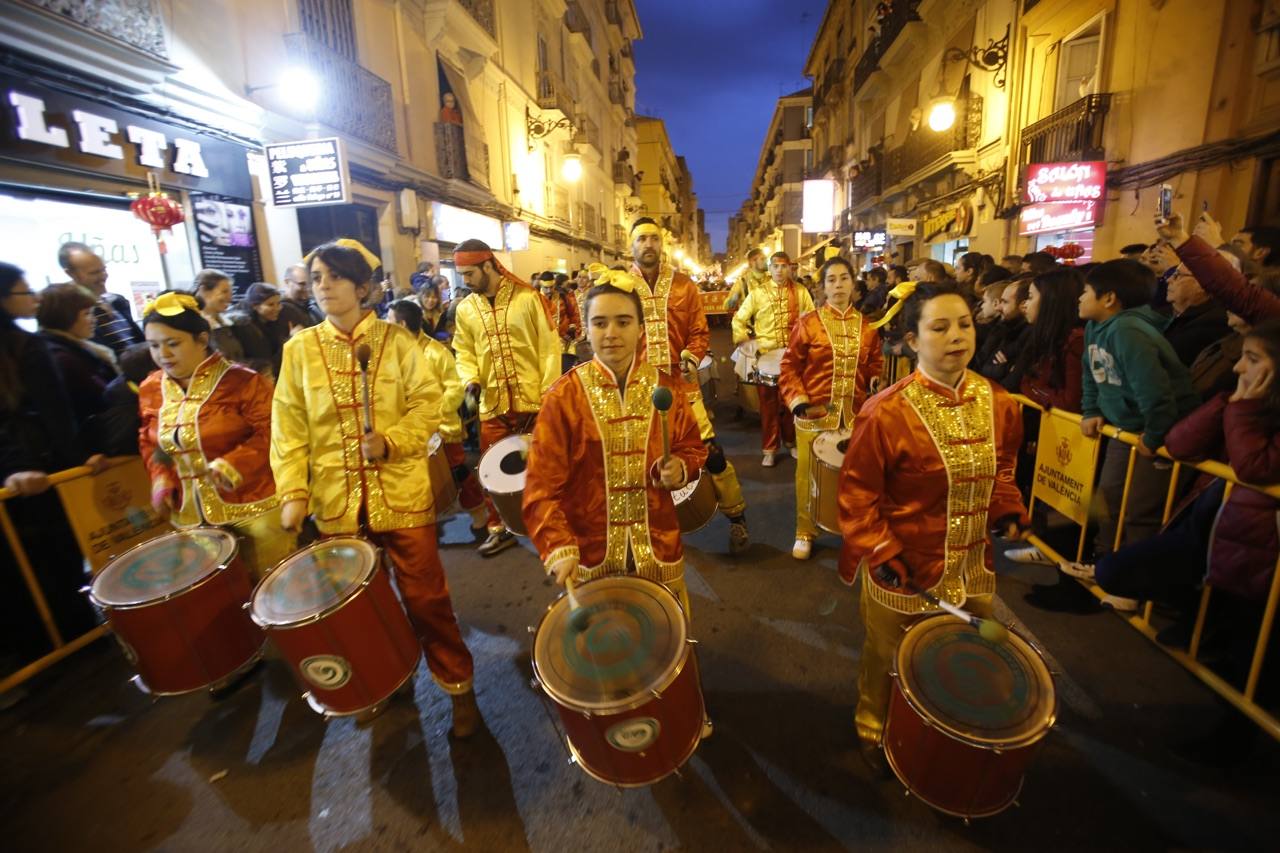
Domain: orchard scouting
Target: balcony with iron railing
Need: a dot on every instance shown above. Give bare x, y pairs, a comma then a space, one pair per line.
576, 20
830, 84
356, 101
866, 186
1073, 133
482, 12
553, 94
900, 14
624, 177
137, 23
460, 157
925, 147
588, 132
618, 91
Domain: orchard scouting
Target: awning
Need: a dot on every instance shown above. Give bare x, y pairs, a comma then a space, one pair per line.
813, 250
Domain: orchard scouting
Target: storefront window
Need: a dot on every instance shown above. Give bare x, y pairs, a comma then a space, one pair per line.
35, 227
948, 252
1082, 237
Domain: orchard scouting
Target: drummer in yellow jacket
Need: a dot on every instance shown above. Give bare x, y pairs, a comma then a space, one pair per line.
833, 361
374, 481
443, 370
773, 307
508, 355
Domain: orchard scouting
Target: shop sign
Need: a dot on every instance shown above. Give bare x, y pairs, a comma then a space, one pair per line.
864, 241
901, 227
308, 172
818, 209
1057, 216
516, 236
1065, 182
225, 236
455, 224
48, 127
949, 224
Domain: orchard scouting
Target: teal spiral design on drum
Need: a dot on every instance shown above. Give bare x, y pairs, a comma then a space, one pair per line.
618, 642
173, 564
975, 681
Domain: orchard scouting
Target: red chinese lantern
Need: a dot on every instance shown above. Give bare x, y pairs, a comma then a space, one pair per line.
157, 210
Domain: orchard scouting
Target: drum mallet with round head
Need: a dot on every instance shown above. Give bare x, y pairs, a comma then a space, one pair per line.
363, 353
989, 629
662, 401
579, 618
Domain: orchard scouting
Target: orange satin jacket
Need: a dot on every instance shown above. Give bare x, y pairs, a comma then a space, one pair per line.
928, 471
589, 490
220, 423
831, 356
672, 313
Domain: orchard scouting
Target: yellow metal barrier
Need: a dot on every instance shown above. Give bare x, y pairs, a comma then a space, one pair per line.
1243, 700
105, 546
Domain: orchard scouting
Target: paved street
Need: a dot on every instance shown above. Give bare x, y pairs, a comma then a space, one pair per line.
89, 763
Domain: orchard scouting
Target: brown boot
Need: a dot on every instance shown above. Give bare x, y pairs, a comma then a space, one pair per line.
466, 714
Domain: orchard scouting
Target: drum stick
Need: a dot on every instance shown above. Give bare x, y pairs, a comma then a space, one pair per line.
662, 401
362, 355
579, 619
991, 630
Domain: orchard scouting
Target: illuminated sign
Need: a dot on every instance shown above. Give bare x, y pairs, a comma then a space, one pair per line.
1065, 182
517, 236
901, 227
309, 172
874, 240
819, 209
455, 224
1058, 216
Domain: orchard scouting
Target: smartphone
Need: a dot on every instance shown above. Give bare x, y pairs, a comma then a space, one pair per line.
1165, 206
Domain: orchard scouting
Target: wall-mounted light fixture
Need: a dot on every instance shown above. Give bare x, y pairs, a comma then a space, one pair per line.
994, 57
536, 127
298, 86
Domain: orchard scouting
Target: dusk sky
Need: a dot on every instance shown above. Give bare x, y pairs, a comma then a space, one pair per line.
713, 70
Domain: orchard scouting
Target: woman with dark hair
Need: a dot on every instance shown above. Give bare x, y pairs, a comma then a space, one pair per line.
260, 328
590, 511
66, 317
38, 436
927, 478
204, 431
832, 362
970, 267
370, 481
1048, 367
433, 311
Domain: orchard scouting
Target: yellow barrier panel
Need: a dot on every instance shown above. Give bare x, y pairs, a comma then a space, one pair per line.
106, 521
1242, 700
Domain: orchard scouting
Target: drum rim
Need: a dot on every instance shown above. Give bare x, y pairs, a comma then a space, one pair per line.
169, 596
636, 700
527, 437
1002, 744
714, 506
332, 608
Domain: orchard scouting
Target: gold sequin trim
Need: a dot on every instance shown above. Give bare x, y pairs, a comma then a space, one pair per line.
845, 335
657, 336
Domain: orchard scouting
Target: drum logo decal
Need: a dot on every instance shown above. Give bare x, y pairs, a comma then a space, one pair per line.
633, 735
328, 672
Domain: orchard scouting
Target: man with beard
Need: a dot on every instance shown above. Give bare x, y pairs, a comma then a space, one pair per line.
757, 273
296, 307
676, 340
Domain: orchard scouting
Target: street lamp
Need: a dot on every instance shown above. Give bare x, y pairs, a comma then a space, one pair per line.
942, 113
571, 168
298, 87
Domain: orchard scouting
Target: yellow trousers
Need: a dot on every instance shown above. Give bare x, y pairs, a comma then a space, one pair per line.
883, 628
728, 489
805, 527
263, 543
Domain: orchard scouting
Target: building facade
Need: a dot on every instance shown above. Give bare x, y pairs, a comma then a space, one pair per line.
511, 122
666, 194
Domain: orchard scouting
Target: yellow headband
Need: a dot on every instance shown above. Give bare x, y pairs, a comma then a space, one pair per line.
171, 304
900, 292
348, 243
645, 228
621, 279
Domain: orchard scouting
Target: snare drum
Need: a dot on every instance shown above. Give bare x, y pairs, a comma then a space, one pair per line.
176, 604
966, 715
502, 476
695, 503
769, 367
626, 688
444, 491
824, 478
333, 615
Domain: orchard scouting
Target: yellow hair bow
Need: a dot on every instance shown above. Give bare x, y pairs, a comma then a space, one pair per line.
348, 243
900, 293
171, 304
621, 279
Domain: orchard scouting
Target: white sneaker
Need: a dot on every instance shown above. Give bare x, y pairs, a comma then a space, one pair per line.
795, 454
1030, 555
770, 459
802, 549
1116, 602
1083, 571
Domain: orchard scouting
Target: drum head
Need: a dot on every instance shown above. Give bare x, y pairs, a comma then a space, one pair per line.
686, 491
634, 640
771, 362
997, 694
163, 566
434, 443
313, 581
829, 447
502, 466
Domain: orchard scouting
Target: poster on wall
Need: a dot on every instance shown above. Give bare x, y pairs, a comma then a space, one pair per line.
224, 234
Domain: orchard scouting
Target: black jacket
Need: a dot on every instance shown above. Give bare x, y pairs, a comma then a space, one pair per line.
1195, 329
85, 377
38, 433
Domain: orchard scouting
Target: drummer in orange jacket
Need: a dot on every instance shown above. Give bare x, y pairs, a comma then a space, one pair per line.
773, 307
204, 429
597, 496
927, 478
376, 481
833, 360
